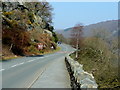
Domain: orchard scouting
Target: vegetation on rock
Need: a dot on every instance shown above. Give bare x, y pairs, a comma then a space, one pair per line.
23, 27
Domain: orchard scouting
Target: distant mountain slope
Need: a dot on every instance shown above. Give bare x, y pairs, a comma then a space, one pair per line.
111, 26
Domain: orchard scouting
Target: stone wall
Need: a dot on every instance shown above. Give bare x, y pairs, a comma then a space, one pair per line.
83, 78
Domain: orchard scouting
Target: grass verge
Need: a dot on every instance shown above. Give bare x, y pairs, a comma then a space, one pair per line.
5, 58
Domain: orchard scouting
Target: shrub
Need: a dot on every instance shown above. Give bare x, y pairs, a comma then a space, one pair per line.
19, 38
98, 59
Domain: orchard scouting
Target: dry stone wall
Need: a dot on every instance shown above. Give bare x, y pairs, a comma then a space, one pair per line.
83, 78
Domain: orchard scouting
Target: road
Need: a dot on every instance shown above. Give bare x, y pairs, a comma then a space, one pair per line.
24, 72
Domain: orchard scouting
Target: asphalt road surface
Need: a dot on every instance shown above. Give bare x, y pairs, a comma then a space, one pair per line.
25, 72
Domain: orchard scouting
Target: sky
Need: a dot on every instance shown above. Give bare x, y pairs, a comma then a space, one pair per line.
68, 14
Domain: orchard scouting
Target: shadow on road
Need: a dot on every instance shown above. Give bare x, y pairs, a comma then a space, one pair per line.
8, 60
35, 56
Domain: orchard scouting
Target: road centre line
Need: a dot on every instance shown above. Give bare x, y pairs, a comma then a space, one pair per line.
34, 59
26, 62
17, 64
30, 60
23, 63
1, 70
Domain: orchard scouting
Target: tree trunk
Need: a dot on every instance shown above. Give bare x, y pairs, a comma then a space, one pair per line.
11, 47
77, 49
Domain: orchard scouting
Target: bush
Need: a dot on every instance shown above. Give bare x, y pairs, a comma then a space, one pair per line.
19, 39
98, 59
55, 37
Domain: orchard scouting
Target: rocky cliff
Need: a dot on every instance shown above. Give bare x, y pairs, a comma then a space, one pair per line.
25, 24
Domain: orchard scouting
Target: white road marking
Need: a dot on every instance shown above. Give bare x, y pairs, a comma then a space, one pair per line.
14, 65
27, 62
21, 63
37, 58
31, 60
34, 59
17, 64
24, 62
1, 70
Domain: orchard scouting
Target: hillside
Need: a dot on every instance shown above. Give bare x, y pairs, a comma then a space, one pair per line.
98, 52
110, 26
25, 25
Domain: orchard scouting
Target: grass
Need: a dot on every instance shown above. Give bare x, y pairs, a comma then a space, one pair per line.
97, 59
5, 58
9, 58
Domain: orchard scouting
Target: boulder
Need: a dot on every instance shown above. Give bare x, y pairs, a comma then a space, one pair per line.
48, 32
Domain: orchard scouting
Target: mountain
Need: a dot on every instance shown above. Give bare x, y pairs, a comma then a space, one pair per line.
111, 26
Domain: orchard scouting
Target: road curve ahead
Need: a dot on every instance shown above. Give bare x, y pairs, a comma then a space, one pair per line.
26, 72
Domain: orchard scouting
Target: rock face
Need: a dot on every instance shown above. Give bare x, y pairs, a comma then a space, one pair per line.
19, 14
21, 2
28, 23
48, 32
85, 79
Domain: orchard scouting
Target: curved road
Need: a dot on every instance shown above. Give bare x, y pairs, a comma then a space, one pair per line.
23, 72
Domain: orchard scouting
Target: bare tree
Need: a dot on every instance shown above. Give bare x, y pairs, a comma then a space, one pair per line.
77, 37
